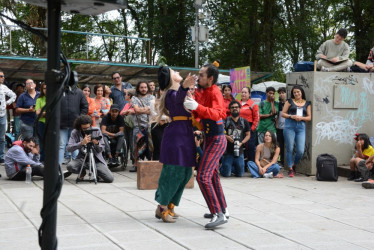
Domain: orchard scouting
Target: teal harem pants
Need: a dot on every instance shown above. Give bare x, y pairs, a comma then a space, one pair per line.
171, 184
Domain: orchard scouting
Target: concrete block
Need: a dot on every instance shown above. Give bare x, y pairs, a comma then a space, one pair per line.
148, 174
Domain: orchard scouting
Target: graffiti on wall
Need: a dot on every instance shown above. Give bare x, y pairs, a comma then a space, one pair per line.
339, 130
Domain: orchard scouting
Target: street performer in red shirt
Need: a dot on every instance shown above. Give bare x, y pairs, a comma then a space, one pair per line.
209, 108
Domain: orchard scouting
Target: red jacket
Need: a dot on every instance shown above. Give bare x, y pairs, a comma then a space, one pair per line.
211, 105
251, 112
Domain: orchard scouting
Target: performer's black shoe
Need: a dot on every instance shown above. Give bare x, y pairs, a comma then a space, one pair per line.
209, 216
218, 219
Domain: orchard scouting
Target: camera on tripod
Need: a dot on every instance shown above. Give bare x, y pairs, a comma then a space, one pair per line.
236, 138
90, 131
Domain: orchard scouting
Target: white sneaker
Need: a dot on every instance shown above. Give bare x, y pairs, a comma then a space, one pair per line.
324, 69
268, 175
218, 219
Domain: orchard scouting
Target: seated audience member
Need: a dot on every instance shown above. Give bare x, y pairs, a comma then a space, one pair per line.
266, 158
333, 55
113, 128
19, 156
364, 151
369, 65
366, 169
268, 113
79, 140
237, 134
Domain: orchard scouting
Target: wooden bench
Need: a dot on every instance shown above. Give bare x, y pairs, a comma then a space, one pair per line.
148, 173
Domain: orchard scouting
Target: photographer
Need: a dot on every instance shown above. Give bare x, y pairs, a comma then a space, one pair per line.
237, 131
82, 135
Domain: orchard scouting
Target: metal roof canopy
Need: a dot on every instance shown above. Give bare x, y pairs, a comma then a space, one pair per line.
18, 69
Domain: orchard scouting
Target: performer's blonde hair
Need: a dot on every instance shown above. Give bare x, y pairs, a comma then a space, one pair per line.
161, 109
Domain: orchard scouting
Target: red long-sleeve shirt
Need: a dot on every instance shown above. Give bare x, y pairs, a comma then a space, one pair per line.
211, 105
251, 114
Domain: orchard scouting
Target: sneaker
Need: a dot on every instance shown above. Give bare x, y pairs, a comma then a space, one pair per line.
115, 161
133, 169
352, 176
291, 173
66, 174
268, 175
368, 185
210, 216
218, 219
360, 179
324, 69
348, 69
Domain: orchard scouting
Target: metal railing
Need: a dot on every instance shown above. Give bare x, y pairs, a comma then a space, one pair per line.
89, 42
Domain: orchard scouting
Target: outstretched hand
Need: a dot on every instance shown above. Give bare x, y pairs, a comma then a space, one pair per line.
189, 81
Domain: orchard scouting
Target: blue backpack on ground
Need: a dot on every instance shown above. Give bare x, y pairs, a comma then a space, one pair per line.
304, 66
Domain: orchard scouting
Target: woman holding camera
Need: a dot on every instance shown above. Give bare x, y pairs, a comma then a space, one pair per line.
266, 158
297, 111
178, 151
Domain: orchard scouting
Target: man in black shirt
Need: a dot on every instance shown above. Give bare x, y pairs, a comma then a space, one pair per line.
237, 131
113, 128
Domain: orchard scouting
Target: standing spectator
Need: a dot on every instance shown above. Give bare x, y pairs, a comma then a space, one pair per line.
128, 113
250, 111
141, 103
152, 88
267, 154
333, 55
157, 128
91, 103
18, 157
102, 104
73, 104
280, 124
26, 107
297, 110
227, 97
268, 113
4, 91
237, 129
107, 92
113, 128
40, 103
20, 89
118, 90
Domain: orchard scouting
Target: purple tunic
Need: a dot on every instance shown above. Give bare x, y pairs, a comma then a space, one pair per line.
178, 142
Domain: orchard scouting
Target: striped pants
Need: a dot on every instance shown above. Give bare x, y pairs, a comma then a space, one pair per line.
207, 175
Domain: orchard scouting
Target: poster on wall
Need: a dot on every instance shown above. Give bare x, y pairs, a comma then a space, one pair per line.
240, 78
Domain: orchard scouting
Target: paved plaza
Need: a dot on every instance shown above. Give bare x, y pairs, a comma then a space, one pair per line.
288, 213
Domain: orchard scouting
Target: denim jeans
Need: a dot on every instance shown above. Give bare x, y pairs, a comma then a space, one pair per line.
2, 135
294, 133
254, 169
64, 138
16, 126
27, 130
230, 163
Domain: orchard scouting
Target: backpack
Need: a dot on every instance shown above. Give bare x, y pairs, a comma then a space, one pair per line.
304, 66
327, 168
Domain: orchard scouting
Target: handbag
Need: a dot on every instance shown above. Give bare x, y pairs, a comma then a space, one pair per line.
129, 123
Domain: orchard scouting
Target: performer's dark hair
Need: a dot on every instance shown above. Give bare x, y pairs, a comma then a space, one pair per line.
212, 71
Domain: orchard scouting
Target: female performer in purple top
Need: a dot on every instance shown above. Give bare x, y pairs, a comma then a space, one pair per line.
178, 150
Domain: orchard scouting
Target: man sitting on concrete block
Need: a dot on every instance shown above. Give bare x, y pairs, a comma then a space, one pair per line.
333, 55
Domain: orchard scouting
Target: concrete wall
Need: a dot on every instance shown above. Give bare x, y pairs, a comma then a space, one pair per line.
342, 105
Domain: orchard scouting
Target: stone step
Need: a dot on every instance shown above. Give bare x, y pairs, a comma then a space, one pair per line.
344, 171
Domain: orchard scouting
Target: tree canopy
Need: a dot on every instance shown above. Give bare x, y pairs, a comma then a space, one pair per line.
268, 35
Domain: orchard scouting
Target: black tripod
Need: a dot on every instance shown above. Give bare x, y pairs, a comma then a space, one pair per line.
92, 171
